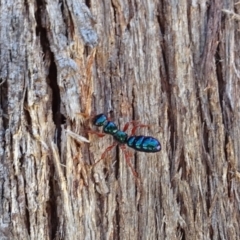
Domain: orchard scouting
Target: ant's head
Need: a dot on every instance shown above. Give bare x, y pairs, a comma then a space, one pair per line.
100, 120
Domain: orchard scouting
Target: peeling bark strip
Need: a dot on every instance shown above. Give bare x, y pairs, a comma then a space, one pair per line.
173, 65
83, 21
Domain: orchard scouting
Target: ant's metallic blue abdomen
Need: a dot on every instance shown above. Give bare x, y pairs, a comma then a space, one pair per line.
144, 144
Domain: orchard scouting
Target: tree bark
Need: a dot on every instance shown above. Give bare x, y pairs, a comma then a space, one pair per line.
172, 65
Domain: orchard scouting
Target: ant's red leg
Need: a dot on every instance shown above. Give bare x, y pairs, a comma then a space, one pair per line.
127, 157
105, 152
128, 124
99, 134
137, 126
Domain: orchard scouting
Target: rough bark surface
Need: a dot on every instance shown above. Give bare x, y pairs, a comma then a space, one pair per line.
174, 65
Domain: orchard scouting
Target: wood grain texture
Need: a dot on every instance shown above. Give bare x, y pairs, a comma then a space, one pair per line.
173, 65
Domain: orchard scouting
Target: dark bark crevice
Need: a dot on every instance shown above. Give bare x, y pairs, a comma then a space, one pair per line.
27, 218
52, 207
58, 118
117, 229
161, 17
219, 74
41, 31
88, 3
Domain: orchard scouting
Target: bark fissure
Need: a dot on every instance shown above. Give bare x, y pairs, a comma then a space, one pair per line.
52, 207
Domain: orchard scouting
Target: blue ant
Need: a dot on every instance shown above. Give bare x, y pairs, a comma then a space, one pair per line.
140, 143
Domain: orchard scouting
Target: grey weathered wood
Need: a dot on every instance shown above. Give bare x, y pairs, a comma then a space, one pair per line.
173, 65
